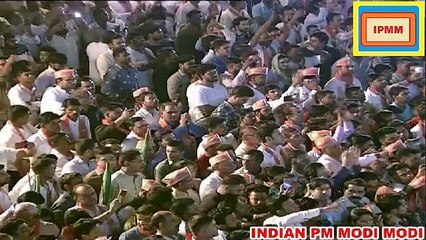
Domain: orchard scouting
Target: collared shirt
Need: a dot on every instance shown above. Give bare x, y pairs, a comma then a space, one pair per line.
229, 112
210, 184
93, 51
406, 113
104, 62
130, 142
120, 180
44, 80
27, 183
151, 118
67, 46
137, 57
176, 89
40, 142
77, 165
10, 137
62, 160
53, 99
219, 62
302, 95
20, 95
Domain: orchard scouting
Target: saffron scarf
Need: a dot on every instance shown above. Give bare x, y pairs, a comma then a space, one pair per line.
82, 130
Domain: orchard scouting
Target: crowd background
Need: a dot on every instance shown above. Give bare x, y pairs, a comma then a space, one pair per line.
198, 119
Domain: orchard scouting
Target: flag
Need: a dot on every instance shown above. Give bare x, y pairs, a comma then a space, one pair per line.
145, 146
106, 184
37, 183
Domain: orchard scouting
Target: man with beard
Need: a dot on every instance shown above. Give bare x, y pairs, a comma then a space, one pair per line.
75, 125
354, 191
343, 78
231, 186
83, 162
256, 81
222, 50
105, 61
203, 228
54, 97
263, 111
205, 94
178, 83
154, 37
257, 198
251, 168
272, 140
50, 126
57, 61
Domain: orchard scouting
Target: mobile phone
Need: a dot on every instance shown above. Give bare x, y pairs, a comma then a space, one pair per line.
286, 186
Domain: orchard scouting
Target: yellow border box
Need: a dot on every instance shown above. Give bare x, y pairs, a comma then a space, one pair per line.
421, 17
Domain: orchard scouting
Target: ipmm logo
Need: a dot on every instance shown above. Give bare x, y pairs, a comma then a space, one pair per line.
388, 29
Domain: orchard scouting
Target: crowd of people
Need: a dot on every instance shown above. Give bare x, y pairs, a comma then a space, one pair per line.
199, 119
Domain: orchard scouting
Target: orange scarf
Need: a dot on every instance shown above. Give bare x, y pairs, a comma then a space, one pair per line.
82, 130
163, 124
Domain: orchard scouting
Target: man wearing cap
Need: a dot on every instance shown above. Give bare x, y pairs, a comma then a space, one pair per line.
256, 81
222, 166
210, 145
330, 158
343, 78
181, 182
50, 126
304, 86
179, 82
147, 102
53, 97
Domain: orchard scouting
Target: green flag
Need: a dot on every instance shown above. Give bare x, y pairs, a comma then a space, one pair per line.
106, 184
145, 147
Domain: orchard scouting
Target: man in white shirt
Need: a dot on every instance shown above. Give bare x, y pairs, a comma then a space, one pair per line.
148, 103
93, 51
316, 15
14, 134
23, 93
57, 61
83, 161
49, 123
223, 166
138, 128
375, 94
61, 148
256, 81
205, 94
303, 89
105, 61
74, 124
343, 78
54, 97
272, 139
234, 10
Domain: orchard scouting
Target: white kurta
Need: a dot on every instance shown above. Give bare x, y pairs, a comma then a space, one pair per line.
228, 139
199, 95
53, 99
40, 142
5, 201
339, 87
93, 51
75, 129
374, 99
294, 219
77, 165
27, 183
44, 80
210, 184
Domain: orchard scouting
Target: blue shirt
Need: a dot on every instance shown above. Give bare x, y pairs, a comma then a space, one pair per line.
121, 82
261, 12
218, 62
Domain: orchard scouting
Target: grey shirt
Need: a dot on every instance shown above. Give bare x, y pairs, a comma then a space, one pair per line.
176, 89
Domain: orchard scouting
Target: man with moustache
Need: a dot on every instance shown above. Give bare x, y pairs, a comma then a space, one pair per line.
263, 111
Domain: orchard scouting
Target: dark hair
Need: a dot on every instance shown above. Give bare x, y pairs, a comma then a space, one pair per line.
322, 36
32, 197
66, 178
396, 167
166, 104
110, 36
359, 139
83, 145
197, 222
266, 130
133, 120
239, 235
389, 202
180, 207
128, 156
318, 182
242, 91
234, 179
259, 188
11, 226
312, 169
368, 176
159, 197
236, 22
307, 203
42, 162
83, 227
215, 121
276, 204
216, 44
396, 90
70, 102
47, 117
116, 53
149, 28
220, 213
356, 182
258, 155
182, 163
225, 148
321, 94
202, 68
406, 152
58, 58
159, 217
330, 17
82, 79
20, 67
71, 216
18, 111
174, 144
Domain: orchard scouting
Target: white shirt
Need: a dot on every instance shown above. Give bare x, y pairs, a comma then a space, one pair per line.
133, 184
62, 160
228, 139
199, 95
67, 46
294, 219
228, 16
339, 87
130, 142
53, 99
374, 99
9, 137
137, 57
302, 96
77, 165
40, 142
74, 127
268, 158
181, 14
44, 80
104, 62
5, 201
27, 183
257, 96
320, 20
210, 184
93, 51
6, 154
151, 118
20, 95
332, 165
